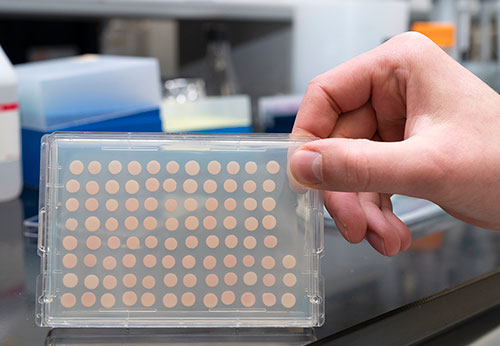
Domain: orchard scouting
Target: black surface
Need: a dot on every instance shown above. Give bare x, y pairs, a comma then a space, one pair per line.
20, 34
469, 331
426, 318
396, 295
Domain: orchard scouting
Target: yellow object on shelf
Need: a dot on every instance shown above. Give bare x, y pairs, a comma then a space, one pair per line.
228, 114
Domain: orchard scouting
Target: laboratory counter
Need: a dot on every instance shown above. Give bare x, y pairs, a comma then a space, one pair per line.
448, 278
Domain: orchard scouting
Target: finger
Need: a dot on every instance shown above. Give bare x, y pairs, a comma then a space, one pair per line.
376, 137
401, 228
295, 186
381, 234
340, 90
358, 123
381, 72
376, 242
346, 211
361, 165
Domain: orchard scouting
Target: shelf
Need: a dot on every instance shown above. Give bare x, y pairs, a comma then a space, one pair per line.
181, 9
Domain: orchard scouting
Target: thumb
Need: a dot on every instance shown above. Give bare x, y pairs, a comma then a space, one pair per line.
360, 165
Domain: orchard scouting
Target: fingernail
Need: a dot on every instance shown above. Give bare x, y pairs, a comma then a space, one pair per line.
342, 227
377, 242
306, 167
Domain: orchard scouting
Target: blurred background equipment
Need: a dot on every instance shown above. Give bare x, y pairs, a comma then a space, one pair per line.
85, 93
184, 89
232, 66
10, 153
85, 88
217, 114
327, 33
220, 76
277, 113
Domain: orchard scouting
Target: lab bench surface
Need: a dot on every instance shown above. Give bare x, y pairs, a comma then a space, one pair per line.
449, 275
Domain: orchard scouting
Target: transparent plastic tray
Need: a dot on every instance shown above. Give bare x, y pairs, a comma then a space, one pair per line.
161, 230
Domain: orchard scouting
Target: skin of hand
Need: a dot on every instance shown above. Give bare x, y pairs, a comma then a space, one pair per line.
402, 118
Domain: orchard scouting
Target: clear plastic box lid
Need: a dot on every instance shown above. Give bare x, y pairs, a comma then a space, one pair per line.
162, 230
64, 92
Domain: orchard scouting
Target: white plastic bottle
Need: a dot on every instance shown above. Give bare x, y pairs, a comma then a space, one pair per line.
10, 153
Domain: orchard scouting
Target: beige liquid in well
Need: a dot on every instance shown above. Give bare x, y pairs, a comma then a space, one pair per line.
172, 167
94, 167
181, 206
76, 167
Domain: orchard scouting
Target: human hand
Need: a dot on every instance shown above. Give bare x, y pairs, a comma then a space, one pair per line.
403, 118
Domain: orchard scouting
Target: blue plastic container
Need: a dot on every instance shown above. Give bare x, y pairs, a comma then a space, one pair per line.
141, 121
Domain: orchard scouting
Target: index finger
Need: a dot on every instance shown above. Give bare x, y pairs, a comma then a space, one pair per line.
342, 89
